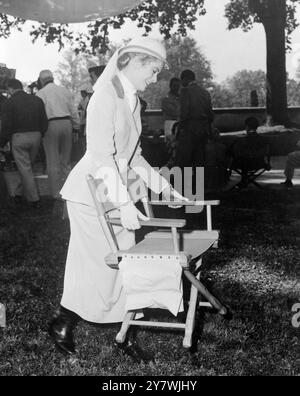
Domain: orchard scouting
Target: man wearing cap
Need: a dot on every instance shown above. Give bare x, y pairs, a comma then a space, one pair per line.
62, 116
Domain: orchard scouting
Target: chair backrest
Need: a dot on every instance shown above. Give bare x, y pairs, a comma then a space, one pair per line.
137, 191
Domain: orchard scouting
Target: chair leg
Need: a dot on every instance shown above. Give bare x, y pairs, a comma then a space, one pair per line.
190, 318
222, 310
121, 336
257, 184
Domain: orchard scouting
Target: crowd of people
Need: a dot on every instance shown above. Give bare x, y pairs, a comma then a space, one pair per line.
44, 121
54, 123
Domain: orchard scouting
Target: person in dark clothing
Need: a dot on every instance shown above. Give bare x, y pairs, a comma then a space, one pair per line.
250, 152
2, 100
95, 72
196, 116
24, 121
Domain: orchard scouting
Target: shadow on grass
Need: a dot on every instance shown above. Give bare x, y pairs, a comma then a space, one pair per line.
255, 271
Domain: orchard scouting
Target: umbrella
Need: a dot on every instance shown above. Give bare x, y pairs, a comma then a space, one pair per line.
66, 11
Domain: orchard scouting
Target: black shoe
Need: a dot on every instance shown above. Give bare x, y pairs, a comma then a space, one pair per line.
61, 331
288, 184
18, 199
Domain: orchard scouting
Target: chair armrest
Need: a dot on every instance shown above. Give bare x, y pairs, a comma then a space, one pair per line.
173, 223
185, 203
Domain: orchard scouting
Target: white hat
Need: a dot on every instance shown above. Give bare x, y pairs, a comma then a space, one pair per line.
146, 45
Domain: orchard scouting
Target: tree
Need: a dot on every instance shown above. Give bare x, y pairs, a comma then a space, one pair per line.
277, 17
221, 96
182, 53
235, 91
293, 92
241, 85
72, 72
180, 14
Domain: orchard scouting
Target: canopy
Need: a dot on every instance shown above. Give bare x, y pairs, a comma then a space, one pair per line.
66, 11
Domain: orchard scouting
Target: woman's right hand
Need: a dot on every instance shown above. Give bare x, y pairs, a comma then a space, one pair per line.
169, 194
130, 216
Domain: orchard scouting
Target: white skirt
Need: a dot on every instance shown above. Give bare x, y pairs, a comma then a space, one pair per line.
91, 288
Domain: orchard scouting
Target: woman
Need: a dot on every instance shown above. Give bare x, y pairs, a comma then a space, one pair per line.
93, 291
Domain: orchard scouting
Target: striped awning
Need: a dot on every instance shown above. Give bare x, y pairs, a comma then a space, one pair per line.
66, 11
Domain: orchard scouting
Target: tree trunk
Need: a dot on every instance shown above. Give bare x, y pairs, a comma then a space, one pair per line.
276, 72
273, 17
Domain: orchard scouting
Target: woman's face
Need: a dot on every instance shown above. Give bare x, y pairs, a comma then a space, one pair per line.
143, 74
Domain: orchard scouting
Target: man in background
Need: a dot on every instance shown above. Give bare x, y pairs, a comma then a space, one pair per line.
250, 152
196, 116
170, 106
95, 72
62, 120
24, 122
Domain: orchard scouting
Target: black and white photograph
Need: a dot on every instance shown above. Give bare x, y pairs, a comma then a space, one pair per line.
149, 191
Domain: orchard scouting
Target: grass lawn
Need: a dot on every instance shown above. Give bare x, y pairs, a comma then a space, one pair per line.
255, 271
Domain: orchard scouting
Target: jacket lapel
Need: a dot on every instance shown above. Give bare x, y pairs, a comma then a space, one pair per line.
134, 118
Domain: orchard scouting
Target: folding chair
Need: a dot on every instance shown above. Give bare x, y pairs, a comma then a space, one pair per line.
182, 245
251, 168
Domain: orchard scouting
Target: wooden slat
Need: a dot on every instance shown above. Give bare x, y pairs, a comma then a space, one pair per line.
185, 203
177, 223
171, 325
184, 234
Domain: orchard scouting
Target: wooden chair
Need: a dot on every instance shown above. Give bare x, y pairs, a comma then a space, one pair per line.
171, 242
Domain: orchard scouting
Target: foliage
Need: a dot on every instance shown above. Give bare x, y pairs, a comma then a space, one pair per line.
293, 92
244, 13
8, 24
235, 91
72, 72
180, 15
182, 53
255, 271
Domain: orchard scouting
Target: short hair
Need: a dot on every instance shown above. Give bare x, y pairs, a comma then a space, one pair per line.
33, 85
174, 79
188, 75
98, 70
13, 83
124, 59
252, 123
46, 76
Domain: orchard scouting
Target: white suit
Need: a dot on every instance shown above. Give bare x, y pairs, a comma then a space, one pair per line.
91, 289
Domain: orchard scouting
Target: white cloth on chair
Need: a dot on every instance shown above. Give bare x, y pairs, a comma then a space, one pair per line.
152, 282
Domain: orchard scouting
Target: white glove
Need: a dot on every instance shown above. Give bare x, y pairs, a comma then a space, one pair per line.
169, 194
130, 216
